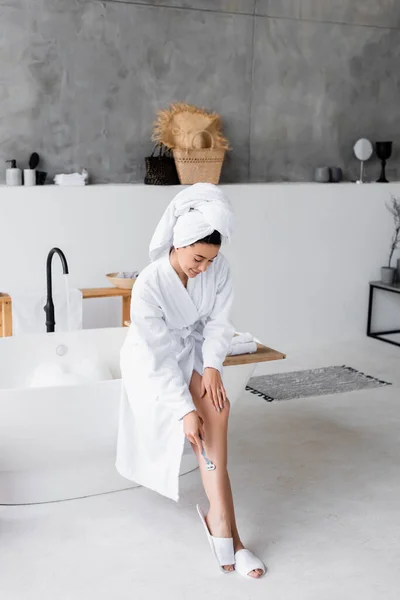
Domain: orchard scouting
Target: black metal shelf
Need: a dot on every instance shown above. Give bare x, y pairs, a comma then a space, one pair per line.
378, 335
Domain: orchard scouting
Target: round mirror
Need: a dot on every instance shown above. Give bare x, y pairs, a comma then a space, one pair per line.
363, 149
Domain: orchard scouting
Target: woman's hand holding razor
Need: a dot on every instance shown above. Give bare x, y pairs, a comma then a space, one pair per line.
193, 427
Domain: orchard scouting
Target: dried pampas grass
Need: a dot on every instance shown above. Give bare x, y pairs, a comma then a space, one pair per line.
186, 127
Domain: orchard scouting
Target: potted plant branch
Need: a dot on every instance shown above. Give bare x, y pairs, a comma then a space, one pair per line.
388, 273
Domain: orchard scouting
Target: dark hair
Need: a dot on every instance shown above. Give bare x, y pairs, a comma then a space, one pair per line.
213, 239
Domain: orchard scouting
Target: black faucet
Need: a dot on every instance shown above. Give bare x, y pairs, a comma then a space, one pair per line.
49, 308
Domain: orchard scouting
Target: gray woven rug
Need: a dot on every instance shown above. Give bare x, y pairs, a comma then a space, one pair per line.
315, 382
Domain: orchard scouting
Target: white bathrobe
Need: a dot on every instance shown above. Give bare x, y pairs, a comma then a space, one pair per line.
174, 330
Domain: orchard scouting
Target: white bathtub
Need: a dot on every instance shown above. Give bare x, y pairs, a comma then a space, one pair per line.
59, 442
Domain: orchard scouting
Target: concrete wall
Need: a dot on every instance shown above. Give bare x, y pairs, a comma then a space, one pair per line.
296, 81
301, 257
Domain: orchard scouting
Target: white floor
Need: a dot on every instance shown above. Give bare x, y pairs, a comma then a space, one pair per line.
317, 491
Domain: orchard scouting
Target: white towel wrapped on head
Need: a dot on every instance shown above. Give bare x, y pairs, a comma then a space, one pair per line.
194, 213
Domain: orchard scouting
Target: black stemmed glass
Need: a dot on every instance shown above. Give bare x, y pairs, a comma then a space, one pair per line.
383, 152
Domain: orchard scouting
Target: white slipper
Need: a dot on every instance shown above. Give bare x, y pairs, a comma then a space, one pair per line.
246, 561
222, 548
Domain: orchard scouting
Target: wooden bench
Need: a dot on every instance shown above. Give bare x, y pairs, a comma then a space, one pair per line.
87, 293
263, 354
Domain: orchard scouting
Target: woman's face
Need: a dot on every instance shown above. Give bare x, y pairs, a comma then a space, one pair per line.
196, 258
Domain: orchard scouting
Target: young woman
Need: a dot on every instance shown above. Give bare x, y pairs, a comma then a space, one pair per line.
171, 365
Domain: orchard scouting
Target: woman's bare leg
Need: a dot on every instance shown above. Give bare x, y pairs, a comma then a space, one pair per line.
221, 516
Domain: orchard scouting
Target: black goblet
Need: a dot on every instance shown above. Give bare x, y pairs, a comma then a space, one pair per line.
384, 152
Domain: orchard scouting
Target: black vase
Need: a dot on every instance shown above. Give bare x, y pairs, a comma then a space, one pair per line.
383, 152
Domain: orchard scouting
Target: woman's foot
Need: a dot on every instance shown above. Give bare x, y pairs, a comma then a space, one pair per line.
220, 527
257, 572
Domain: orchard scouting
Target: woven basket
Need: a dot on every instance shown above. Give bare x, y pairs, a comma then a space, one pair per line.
200, 165
161, 169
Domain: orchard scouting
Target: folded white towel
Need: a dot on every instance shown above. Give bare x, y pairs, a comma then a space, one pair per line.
244, 348
66, 179
28, 315
242, 338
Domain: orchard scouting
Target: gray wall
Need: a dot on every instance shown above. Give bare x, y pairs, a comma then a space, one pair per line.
296, 81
